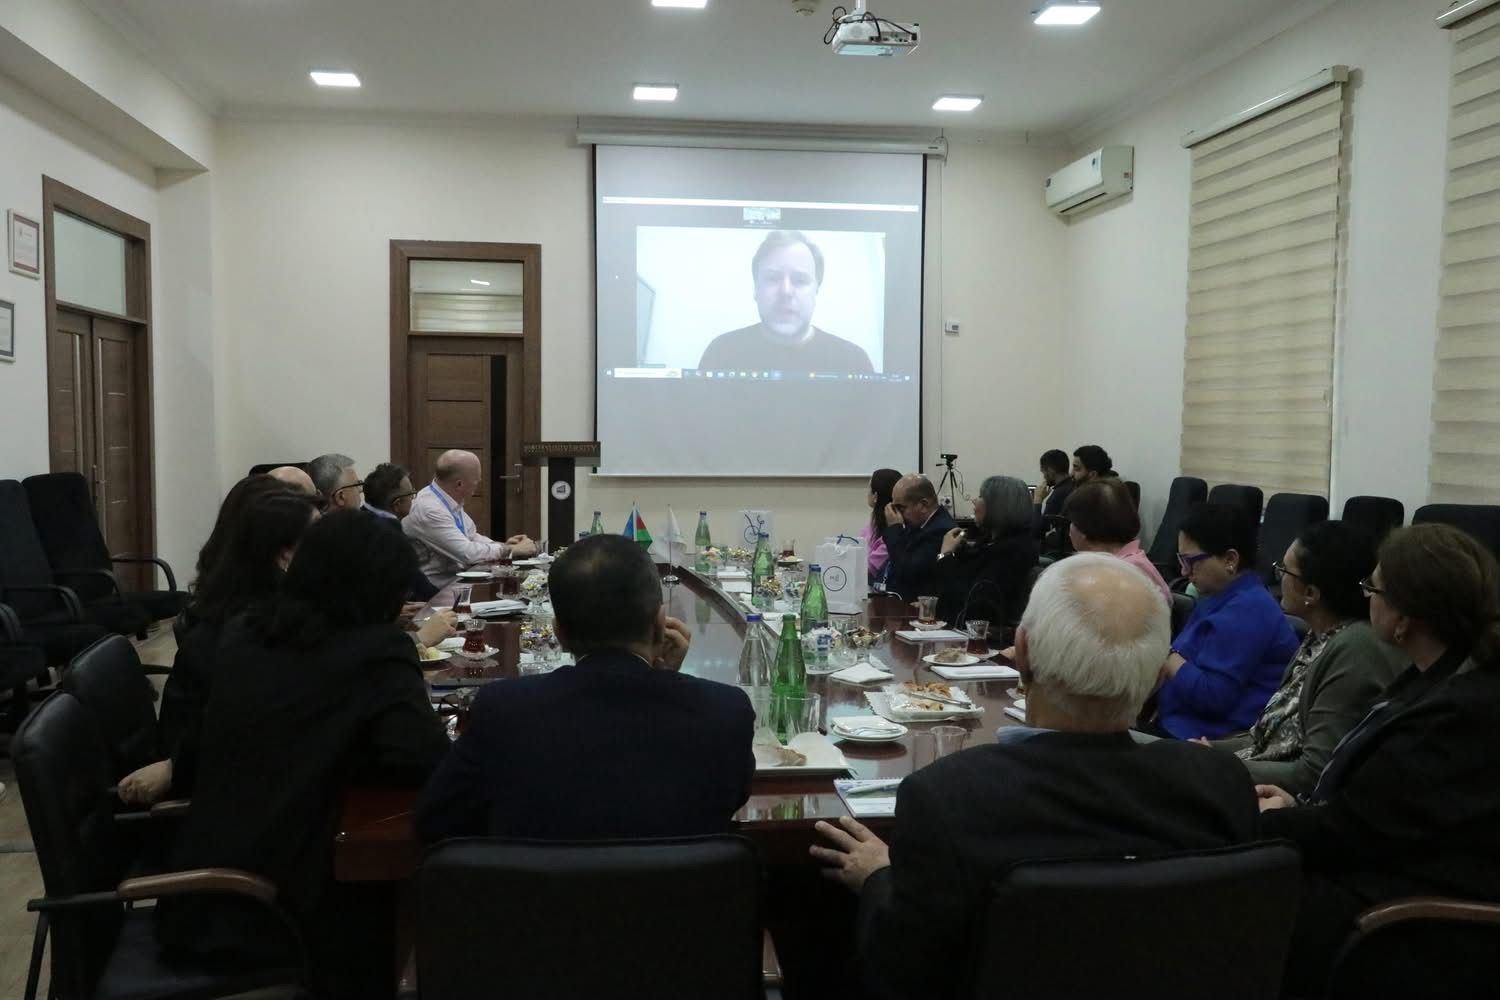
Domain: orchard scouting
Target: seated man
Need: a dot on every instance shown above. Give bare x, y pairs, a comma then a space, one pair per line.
295, 478
915, 526
337, 481
445, 535
619, 745
1072, 783
388, 497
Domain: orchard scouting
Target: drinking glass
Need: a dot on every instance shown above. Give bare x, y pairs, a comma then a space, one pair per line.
799, 713
461, 594
788, 548
760, 704
927, 609
948, 739
979, 635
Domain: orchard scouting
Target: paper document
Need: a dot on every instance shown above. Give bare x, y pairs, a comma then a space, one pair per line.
868, 797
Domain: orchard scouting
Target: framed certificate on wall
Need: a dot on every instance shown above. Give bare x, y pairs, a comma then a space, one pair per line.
7, 331
25, 242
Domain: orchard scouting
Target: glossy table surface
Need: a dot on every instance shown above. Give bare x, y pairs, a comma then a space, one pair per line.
374, 841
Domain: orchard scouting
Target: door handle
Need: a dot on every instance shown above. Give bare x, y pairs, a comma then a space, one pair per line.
516, 478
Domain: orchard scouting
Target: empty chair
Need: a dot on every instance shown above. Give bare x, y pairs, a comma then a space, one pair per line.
20, 663
664, 919
1135, 491
110, 683
1249, 499
101, 946
1094, 928
51, 616
1287, 516
63, 513
1398, 946
1377, 515
264, 467
1185, 491
1480, 520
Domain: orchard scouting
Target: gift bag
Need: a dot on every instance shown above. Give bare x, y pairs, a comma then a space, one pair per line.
846, 575
752, 521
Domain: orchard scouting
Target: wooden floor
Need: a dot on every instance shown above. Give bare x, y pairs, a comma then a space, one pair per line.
19, 878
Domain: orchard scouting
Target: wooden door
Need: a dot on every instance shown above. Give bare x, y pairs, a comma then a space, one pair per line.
466, 393
69, 415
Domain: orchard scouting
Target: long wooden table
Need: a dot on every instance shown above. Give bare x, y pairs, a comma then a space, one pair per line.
375, 842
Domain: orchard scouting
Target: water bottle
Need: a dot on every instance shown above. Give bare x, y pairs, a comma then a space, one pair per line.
815, 615
762, 569
702, 542
597, 528
755, 657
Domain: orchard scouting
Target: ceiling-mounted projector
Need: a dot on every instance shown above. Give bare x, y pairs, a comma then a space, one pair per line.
862, 33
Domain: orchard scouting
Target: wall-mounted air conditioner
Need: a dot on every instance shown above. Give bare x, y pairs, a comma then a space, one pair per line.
1099, 177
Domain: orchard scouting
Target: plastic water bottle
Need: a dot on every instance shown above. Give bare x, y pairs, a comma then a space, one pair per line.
755, 656
702, 542
762, 569
815, 616
597, 528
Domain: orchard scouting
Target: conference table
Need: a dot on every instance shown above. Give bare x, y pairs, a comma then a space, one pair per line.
374, 841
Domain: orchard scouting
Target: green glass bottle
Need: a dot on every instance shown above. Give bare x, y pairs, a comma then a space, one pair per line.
814, 600
789, 678
597, 528
702, 542
762, 569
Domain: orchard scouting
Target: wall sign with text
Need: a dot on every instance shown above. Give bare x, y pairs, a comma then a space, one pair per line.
24, 238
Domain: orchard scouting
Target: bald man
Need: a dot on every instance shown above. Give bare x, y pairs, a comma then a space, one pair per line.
294, 477
447, 540
915, 524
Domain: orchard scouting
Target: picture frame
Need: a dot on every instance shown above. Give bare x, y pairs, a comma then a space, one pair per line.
7, 331
24, 240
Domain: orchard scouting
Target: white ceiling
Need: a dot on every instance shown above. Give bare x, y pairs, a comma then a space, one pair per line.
750, 60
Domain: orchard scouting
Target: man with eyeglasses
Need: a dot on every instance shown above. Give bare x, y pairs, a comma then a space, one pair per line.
915, 523
337, 481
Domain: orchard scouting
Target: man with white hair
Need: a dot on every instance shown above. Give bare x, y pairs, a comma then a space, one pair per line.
1072, 783
445, 535
337, 482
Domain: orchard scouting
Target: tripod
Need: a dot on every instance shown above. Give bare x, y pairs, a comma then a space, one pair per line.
952, 481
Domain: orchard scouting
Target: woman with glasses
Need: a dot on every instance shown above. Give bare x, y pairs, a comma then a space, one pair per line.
1229, 657
1408, 804
1338, 671
982, 576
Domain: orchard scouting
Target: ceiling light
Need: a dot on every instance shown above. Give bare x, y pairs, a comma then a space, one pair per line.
1066, 12
655, 92
329, 78
952, 103
685, 4
476, 281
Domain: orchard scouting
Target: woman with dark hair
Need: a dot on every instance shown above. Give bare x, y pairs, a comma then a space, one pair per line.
243, 562
983, 576
1102, 518
1338, 671
1408, 804
1230, 656
882, 485
314, 689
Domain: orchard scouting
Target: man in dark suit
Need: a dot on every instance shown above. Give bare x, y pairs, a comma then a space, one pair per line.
915, 524
1071, 783
619, 745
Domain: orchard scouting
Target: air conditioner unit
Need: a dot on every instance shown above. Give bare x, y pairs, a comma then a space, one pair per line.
1102, 175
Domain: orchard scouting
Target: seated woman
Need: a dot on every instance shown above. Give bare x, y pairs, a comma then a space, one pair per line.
259, 525
983, 576
1337, 673
313, 690
1230, 656
1102, 518
1408, 804
882, 484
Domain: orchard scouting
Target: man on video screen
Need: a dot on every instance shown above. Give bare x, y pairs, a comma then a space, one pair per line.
788, 271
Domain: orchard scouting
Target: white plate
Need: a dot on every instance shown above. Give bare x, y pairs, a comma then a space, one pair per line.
489, 651
839, 728
968, 661
442, 654
881, 703
452, 644
475, 574
926, 626
822, 756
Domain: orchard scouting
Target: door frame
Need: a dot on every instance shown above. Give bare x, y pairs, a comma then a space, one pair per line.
529, 256
57, 196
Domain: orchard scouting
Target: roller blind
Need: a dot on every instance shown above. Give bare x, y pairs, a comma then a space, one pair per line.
1465, 466
1263, 272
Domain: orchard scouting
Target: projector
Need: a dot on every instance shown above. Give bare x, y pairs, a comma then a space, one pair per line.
864, 34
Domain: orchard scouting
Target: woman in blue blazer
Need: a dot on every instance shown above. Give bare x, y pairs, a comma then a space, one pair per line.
1228, 659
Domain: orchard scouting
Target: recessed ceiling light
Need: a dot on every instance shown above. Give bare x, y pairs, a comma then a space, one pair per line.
685, 4
1066, 12
655, 92
476, 281
952, 103
329, 78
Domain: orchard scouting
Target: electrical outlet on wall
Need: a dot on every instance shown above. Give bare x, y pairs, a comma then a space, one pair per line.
950, 327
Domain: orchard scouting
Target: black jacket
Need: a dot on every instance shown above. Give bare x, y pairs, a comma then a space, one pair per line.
964, 820
914, 555
610, 748
986, 579
285, 730
184, 697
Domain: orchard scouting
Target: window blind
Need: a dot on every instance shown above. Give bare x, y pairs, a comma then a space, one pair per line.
1465, 464
1263, 272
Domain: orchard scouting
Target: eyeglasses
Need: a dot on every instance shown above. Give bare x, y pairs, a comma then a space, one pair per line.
403, 496
1282, 571
1187, 562
1368, 586
352, 486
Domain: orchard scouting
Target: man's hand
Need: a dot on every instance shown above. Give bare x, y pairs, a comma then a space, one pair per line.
1043, 490
440, 626
892, 516
674, 646
858, 853
1274, 797
521, 547
953, 540
148, 785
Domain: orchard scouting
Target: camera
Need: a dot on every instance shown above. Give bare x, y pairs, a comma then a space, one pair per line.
950, 459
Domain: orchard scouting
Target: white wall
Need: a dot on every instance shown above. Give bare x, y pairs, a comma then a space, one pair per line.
303, 213
1128, 263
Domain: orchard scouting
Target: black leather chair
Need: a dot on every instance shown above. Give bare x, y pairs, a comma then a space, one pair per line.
1182, 610
110, 683
1400, 946
1287, 516
265, 467
677, 919
103, 945
1185, 491
1094, 928
1480, 520
20, 664
51, 616
1377, 515
1134, 489
66, 523
1299, 626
